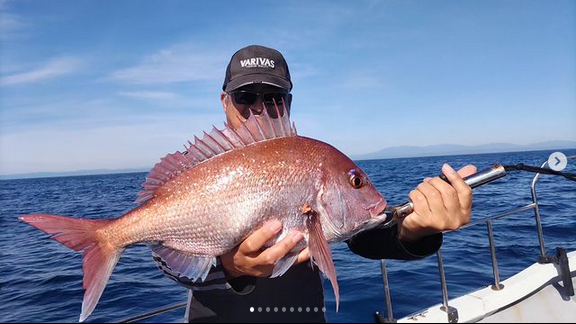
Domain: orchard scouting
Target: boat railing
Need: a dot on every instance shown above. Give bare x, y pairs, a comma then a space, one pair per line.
451, 312
152, 313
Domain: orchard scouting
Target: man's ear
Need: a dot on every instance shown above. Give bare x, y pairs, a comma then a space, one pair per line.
224, 98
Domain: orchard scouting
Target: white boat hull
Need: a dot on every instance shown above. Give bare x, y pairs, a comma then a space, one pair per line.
535, 294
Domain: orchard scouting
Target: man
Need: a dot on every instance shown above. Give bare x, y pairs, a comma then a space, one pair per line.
239, 289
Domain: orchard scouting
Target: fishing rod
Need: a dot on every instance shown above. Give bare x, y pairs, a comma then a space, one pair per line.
475, 180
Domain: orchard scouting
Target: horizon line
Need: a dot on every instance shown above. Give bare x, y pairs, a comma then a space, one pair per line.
103, 172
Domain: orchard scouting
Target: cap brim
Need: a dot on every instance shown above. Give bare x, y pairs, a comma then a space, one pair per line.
258, 78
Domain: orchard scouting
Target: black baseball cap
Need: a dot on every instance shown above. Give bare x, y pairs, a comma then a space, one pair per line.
257, 64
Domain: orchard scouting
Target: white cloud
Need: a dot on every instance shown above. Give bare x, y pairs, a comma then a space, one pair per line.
54, 68
180, 63
3, 4
148, 94
362, 80
66, 147
10, 24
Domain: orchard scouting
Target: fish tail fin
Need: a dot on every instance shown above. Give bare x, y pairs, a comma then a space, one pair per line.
99, 257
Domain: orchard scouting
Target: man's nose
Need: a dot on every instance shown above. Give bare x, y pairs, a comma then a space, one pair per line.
258, 105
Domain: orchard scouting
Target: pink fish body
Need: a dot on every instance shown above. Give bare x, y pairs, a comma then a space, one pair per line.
202, 203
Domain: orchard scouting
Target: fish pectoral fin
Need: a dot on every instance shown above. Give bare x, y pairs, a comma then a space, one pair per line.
320, 252
284, 264
187, 265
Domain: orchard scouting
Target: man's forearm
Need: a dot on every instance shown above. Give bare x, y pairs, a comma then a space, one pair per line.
383, 243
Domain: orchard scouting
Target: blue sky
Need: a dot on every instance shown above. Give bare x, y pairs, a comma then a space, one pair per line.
119, 84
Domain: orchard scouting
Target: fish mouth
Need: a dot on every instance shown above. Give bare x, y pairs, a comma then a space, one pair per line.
377, 217
377, 208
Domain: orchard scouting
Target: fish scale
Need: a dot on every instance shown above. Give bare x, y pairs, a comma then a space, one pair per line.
200, 204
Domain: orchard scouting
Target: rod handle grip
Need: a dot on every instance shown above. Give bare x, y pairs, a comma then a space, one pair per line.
475, 180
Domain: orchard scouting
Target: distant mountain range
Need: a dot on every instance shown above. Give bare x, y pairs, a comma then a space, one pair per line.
387, 153
450, 149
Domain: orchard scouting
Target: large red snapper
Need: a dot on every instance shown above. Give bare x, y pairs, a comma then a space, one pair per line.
200, 204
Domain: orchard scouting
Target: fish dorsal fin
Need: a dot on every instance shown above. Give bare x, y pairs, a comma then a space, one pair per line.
256, 129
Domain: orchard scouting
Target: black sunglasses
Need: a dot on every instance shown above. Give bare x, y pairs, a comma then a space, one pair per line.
244, 101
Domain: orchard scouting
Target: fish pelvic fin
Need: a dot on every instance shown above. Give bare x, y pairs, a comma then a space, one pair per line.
320, 250
99, 257
193, 267
284, 264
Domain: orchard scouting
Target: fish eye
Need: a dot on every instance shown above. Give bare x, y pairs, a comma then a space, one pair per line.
355, 179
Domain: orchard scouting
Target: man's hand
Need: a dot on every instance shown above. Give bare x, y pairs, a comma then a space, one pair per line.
438, 206
249, 259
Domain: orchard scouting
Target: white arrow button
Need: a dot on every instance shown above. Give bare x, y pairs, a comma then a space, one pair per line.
557, 161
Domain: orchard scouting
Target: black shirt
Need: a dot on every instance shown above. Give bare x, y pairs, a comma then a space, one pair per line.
296, 296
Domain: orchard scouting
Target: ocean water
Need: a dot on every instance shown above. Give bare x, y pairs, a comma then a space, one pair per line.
41, 280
